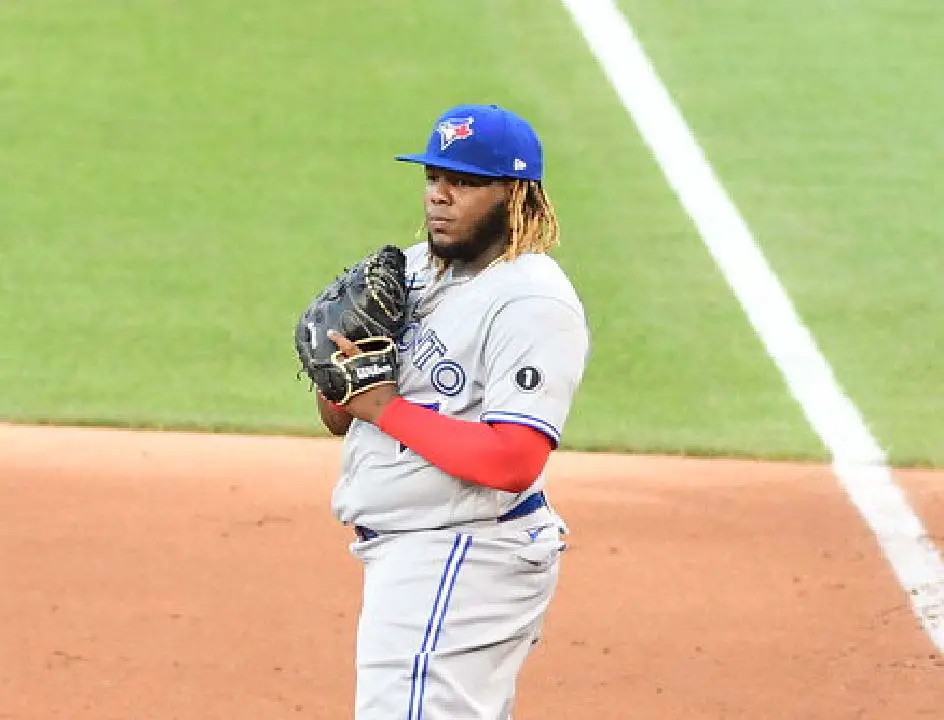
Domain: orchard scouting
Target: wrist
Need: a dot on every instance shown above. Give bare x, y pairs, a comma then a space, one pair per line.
369, 406
388, 411
333, 405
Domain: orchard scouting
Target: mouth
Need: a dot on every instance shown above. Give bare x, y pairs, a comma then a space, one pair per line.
438, 224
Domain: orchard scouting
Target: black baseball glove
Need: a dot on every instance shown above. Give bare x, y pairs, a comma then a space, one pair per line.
367, 305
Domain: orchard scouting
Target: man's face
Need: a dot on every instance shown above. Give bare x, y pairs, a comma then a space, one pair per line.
465, 214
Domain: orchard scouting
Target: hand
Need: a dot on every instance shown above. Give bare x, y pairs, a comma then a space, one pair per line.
369, 404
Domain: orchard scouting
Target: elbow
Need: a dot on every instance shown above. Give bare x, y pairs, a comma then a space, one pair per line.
520, 487
518, 482
500, 471
517, 473
520, 462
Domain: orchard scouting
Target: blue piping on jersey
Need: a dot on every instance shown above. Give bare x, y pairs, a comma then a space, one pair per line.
421, 660
521, 419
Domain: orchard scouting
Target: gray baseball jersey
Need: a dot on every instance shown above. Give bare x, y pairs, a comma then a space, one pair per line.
506, 345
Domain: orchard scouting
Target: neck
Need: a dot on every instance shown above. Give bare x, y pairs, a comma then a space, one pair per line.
476, 264
487, 258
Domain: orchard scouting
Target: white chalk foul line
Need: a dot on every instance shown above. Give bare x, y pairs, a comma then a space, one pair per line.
858, 461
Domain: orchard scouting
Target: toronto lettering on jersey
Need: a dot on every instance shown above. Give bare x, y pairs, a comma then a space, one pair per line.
428, 350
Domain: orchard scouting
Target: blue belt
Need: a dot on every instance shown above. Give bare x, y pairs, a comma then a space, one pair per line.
530, 504
527, 506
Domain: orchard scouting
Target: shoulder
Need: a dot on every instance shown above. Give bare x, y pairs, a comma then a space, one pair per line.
535, 277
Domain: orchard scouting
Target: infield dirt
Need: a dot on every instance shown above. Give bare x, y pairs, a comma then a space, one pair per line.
159, 575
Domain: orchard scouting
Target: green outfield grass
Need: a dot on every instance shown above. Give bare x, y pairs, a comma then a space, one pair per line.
824, 122
177, 184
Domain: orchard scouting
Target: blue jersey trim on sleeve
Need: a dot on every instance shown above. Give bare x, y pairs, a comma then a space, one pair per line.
505, 416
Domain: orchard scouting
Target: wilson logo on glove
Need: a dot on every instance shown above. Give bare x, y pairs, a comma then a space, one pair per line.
373, 371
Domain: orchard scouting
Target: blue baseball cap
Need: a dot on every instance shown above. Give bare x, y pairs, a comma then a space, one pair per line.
483, 140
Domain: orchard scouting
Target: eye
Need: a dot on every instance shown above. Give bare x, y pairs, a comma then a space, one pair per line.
472, 181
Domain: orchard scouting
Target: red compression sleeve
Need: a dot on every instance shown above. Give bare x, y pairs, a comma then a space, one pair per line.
503, 456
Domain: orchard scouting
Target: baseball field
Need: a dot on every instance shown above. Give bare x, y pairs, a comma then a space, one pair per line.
752, 470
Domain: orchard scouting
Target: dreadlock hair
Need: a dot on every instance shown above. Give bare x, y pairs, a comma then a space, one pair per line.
532, 222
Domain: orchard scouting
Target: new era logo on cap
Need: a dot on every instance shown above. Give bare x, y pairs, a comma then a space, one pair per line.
520, 165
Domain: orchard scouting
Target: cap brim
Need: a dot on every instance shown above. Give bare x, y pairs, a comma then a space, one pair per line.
446, 164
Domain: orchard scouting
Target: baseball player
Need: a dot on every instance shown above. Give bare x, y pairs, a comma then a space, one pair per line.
442, 474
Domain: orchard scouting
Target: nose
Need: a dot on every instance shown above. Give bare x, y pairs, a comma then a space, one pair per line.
437, 191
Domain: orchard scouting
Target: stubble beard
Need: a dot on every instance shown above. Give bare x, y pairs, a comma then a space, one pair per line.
490, 230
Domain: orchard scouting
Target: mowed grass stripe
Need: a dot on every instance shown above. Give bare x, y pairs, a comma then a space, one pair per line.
189, 179
823, 121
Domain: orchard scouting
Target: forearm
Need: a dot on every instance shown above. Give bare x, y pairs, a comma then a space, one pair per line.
503, 457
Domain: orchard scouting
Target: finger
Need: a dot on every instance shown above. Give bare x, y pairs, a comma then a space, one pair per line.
344, 345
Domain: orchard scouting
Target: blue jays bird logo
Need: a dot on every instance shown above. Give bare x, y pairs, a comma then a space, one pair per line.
454, 129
